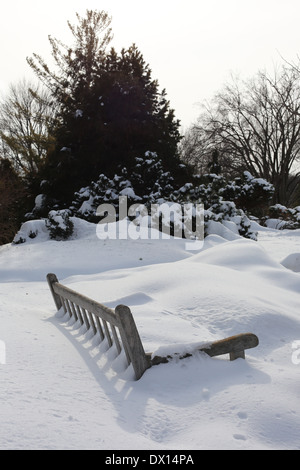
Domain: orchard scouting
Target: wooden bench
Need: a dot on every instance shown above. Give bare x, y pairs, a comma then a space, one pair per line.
118, 327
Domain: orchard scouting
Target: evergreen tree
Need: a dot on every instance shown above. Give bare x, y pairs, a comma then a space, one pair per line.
71, 85
137, 116
111, 110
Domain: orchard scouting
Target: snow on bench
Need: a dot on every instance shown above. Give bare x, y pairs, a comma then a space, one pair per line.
118, 327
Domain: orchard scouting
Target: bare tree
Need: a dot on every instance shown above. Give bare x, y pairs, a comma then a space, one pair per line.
256, 125
26, 118
199, 152
193, 150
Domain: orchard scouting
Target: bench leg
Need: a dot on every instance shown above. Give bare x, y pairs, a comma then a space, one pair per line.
236, 355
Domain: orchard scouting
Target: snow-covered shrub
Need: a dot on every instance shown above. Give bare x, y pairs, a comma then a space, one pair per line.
103, 191
59, 224
205, 189
30, 230
42, 204
211, 192
228, 215
281, 217
150, 181
248, 193
147, 183
89, 198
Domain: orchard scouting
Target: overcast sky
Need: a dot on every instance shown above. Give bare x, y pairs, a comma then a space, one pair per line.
192, 46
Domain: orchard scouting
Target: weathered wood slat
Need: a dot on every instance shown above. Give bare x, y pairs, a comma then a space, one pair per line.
116, 339
235, 346
131, 340
68, 307
85, 318
63, 302
79, 314
92, 323
52, 280
99, 328
107, 333
232, 345
74, 313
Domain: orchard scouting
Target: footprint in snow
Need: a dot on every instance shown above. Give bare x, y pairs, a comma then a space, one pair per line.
242, 415
240, 437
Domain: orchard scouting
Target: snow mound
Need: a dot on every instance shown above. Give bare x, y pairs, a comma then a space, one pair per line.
227, 230
292, 262
32, 230
36, 231
240, 254
60, 389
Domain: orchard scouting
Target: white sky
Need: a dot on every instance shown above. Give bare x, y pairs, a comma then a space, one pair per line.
192, 46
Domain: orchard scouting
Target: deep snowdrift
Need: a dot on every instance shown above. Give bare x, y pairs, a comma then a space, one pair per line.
61, 389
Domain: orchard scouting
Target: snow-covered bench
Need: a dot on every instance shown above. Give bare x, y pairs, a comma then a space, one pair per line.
118, 327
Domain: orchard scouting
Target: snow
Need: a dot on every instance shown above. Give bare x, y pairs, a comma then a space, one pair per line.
129, 192
292, 262
31, 229
61, 389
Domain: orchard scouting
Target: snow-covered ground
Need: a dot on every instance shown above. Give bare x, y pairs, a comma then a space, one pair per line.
60, 389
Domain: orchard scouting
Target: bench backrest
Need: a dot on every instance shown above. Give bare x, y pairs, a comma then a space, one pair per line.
117, 326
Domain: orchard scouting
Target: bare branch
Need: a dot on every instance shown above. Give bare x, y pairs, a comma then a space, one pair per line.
256, 125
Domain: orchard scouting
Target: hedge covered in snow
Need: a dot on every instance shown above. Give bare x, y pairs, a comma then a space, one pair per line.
281, 217
227, 205
150, 184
